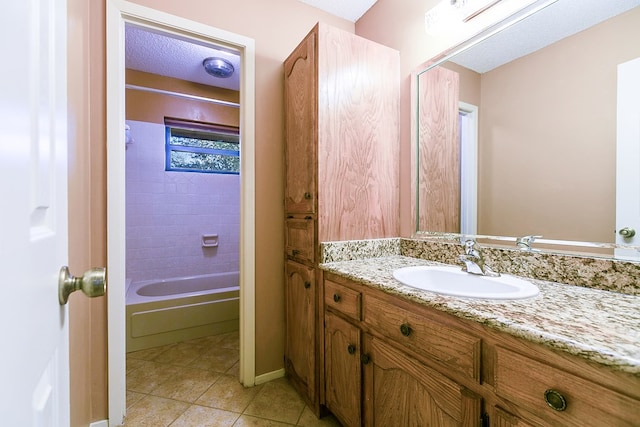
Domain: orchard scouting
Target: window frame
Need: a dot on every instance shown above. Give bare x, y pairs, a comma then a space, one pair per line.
185, 125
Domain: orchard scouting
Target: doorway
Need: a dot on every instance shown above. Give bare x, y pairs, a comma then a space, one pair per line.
120, 13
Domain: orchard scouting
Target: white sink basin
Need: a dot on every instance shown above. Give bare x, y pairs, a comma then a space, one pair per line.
454, 281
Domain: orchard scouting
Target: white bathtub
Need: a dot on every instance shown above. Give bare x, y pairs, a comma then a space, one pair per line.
162, 312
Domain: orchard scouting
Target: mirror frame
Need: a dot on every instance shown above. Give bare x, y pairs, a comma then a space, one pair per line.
581, 248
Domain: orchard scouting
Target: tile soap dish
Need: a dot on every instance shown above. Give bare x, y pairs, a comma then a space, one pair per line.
209, 240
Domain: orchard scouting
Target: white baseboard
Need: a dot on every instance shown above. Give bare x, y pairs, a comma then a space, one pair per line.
269, 376
103, 423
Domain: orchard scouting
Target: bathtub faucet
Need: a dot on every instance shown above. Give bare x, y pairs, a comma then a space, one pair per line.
473, 260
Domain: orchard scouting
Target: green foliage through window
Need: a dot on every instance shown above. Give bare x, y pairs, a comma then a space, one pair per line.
198, 150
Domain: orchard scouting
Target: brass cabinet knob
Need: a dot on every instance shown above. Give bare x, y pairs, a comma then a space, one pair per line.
351, 349
405, 329
555, 400
93, 283
307, 195
336, 298
365, 358
307, 284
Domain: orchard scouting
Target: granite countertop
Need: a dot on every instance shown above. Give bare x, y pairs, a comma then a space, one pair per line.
598, 325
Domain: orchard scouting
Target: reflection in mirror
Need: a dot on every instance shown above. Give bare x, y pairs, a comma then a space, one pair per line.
545, 147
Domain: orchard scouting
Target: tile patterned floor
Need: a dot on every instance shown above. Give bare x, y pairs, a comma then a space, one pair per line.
195, 384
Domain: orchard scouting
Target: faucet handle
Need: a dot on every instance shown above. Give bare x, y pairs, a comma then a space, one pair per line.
525, 242
471, 247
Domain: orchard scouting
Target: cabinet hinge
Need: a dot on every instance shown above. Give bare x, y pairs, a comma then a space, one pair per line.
484, 420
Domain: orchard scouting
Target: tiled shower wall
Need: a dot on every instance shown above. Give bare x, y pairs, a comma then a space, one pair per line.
168, 212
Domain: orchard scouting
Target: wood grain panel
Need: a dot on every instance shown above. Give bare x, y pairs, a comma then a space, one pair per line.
300, 360
439, 151
300, 98
524, 381
453, 348
299, 242
342, 370
404, 392
358, 137
342, 299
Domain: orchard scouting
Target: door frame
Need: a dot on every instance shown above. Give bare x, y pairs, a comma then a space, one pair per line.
120, 12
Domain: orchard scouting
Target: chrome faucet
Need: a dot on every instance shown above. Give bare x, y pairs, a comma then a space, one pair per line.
473, 260
524, 242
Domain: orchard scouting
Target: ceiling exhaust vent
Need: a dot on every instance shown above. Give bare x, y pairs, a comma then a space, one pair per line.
218, 67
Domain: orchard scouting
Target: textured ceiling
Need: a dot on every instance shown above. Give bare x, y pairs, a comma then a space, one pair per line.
165, 55
351, 10
557, 21
171, 57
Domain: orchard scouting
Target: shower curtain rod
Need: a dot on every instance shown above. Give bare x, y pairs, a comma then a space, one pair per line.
183, 95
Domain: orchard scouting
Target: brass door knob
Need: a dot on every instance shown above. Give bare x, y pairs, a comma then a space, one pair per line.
93, 283
627, 232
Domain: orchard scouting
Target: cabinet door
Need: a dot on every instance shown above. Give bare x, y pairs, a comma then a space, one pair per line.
504, 419
342, 369
299, 237
300, 98
300, 338
400, 391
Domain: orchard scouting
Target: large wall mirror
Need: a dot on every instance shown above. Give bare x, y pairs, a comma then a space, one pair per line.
516, 131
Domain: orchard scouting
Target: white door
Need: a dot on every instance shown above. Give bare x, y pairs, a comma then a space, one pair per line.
628, 158
34, 360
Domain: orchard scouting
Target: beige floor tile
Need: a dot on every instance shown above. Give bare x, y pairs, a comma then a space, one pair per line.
218, 359
133, 397
230, 340
277, 401
149, 353
153, 411
228, 394
133, 364
151, 375
234, 371
186, 384
181, 354
249, 421
308, 419
201, 416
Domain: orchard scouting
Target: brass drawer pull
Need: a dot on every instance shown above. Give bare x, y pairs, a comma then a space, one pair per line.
555, 400
307, 195
308, 217
351, 349
336, 298
405, 329
307, 284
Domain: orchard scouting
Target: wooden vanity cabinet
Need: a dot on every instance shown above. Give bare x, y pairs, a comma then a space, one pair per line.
417, 366
400, 391
557, 397
342, 369
369, 380
301, 341
341, 172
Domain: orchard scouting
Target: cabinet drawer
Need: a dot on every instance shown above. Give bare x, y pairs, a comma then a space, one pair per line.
525, 382
450, 347
300, 237
342, 299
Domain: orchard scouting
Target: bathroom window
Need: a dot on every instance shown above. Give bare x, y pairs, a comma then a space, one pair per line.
198, 147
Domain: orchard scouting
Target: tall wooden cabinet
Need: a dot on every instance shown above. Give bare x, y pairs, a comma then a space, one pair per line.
341, 95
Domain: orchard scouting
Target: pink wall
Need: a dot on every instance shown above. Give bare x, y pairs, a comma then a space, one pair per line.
167, 213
